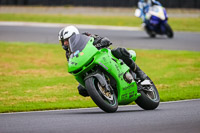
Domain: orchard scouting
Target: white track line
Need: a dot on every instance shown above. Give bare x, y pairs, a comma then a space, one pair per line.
93, 107
81, 26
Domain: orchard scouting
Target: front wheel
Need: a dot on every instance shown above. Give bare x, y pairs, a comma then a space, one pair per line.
150, 32
107, 101
149, 98
169, 31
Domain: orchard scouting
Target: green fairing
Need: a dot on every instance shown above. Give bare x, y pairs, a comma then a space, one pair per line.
90, 57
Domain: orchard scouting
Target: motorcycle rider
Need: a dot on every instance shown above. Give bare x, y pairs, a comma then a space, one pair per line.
144, 6
99, 42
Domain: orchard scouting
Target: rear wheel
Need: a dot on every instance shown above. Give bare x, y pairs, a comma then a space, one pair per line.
107, 101
149, 98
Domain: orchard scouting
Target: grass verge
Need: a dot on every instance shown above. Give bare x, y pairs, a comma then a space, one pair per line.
34, 76
177, 24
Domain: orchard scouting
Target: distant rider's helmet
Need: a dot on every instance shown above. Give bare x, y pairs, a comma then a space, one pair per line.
146, 1
66, 33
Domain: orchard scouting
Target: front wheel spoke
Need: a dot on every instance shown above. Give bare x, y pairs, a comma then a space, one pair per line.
109, 101
151, 89
151, 95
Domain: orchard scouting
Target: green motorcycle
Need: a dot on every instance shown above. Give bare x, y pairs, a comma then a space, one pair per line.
108, 80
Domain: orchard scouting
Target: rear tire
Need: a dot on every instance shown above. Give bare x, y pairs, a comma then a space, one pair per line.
109, 103
149, 98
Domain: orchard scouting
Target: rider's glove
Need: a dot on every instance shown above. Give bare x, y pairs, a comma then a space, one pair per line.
104, 42
87, 34
100, 42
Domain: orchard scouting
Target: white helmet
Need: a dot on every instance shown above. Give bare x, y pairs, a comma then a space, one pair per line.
67, 32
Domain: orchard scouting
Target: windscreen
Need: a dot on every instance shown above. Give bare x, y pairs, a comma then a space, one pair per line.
77, 42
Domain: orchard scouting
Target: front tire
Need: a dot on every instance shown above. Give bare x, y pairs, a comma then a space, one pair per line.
106, 101
149, 98
169, 31
150, 32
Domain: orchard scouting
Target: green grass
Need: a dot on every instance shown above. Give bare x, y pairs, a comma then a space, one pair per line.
34, 76
73, 19
178, 24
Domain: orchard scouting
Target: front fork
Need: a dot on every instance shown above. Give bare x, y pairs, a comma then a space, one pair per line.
101, 78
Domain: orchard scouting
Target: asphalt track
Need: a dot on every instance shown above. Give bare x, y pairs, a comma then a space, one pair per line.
174, 117
120, 37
